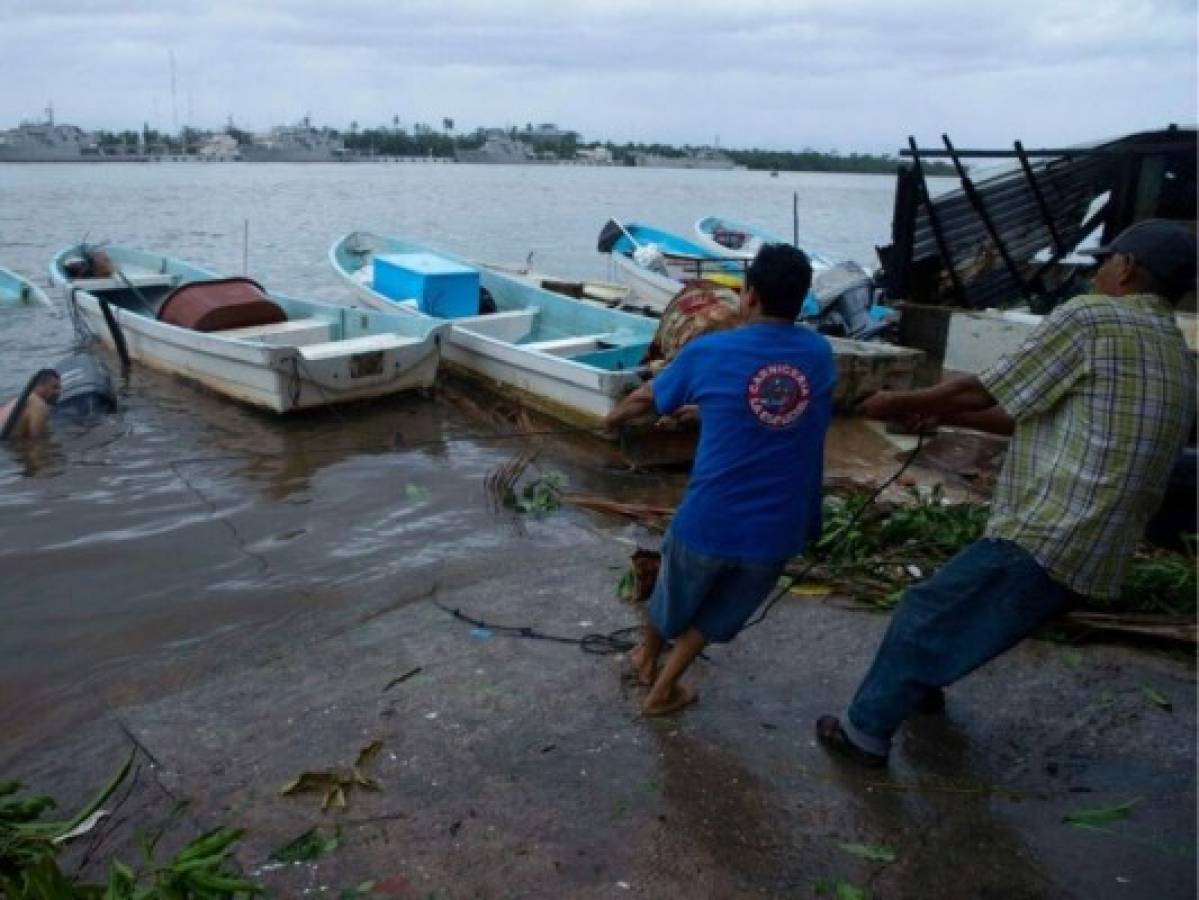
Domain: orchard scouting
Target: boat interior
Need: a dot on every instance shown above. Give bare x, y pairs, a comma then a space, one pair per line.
537, 320
319, 328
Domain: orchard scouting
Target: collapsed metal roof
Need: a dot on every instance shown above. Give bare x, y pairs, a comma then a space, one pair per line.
1000, 241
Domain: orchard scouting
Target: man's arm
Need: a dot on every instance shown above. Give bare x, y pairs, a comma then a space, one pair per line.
638, 403
992, 421
941, 402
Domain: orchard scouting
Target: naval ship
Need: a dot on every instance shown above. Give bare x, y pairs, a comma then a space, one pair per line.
296, 143
47, 142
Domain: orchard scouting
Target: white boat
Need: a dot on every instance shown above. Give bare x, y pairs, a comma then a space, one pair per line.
300, 354
568, 359
606, 293
18, 291
728, 237
654, 264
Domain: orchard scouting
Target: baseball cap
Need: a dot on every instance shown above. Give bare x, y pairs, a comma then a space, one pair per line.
1164, 247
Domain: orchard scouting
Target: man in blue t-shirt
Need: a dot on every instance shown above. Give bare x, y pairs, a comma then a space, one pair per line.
764, 392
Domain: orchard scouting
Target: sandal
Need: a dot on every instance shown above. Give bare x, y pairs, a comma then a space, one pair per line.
830, 733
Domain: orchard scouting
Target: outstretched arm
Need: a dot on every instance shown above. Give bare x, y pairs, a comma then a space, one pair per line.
951, 398
639, 403
992, 421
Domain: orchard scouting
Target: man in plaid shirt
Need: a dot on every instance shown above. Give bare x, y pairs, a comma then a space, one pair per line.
1098, 401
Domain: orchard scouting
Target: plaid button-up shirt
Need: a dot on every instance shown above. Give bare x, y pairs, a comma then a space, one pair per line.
1103, 393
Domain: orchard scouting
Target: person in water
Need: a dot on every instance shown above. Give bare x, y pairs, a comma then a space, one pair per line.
764, 393
32, 415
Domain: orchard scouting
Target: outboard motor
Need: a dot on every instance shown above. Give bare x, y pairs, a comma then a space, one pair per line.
846, 296
87, 390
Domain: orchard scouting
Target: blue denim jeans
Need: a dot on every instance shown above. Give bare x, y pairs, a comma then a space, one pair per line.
715, 596
982, 602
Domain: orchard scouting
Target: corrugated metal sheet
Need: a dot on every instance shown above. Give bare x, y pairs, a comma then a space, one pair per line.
1069, 184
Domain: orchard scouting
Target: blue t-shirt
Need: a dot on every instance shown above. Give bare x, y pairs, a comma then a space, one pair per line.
765, 397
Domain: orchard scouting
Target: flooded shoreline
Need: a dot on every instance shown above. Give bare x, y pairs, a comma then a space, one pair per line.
235, 592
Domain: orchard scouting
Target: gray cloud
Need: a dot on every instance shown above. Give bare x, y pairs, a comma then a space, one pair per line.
861, 75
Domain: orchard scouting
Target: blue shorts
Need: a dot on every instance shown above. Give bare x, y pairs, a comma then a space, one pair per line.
713, 595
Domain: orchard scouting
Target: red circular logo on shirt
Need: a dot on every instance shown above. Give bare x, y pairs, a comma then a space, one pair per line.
778, 394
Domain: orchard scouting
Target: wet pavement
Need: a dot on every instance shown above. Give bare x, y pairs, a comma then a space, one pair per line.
514, 767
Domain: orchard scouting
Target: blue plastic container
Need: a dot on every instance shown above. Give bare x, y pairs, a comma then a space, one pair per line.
441, 287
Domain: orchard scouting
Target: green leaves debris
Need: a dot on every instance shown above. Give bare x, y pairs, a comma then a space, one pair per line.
29, 848
1157, 698
310, 845
872, 852
1103, 815
841, 890
335, 785
541, 495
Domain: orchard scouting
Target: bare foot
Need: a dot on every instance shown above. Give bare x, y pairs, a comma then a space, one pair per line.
680, 696
644, 667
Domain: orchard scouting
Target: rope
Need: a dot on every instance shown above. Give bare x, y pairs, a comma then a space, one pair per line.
781, 592
600, 644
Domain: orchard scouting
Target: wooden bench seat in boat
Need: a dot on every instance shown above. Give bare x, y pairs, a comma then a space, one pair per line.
293, 333
510, 325
368, 343
569, 346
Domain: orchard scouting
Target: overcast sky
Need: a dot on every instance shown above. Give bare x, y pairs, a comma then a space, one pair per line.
846, 75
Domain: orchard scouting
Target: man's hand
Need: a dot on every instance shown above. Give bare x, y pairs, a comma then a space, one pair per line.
612, 425
680, 418
884, 405
926, 407
639, 403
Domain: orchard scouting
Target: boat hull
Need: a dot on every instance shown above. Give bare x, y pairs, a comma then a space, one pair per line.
650, 288
274, 372
486, 346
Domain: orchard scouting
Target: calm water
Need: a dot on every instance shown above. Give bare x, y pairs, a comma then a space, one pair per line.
187, 527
